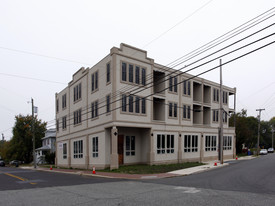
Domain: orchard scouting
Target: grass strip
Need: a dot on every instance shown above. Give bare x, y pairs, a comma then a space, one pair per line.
152, 169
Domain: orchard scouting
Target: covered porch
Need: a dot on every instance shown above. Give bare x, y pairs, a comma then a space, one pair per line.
130, 145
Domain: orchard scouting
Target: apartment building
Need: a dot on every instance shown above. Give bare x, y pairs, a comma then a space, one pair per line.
127, 109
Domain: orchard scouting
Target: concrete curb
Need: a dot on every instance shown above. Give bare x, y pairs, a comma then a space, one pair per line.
183, 172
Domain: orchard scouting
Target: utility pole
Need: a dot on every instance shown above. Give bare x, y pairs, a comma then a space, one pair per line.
33, 137
221, 117
259, 118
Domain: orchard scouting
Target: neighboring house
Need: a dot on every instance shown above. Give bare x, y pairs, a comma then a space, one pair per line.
48, 146
118, 112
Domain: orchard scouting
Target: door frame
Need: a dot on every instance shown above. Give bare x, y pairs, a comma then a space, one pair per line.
120, 149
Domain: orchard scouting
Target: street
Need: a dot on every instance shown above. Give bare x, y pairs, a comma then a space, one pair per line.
247, 182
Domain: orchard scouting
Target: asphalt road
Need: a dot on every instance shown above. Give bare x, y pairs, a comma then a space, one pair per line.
255, 176
249, 182
12, 178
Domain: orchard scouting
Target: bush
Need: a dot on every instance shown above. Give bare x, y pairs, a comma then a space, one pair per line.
50, 158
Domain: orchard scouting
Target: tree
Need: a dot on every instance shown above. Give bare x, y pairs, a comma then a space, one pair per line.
50, 157
21, 145
246, 130
272, 122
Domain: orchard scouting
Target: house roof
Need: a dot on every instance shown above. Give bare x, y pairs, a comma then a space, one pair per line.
50, 133
44, 148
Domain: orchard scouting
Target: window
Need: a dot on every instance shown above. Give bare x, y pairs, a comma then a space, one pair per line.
78, 149
160, 146
225, 97
170, 84
139, 107
131, 73
190, 143
170, 109
186, 112
95, 146
108, 103
137, 104
130, 146
163, 148
210, 143
187, 88
131, 105
94, 109
173, 84
57, 125
65, 151
137, 74
77, 92
170, 144
227, 142
108, 73
57, 105
95, 81
216, 95
124, 103
143, 76
124, 72
77, 117
143, 106
215, 115
173, 109
64, 122
64, 101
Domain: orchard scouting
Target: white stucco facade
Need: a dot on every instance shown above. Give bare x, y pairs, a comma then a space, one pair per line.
129, 110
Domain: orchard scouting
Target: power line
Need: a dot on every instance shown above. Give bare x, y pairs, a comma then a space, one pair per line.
74, 61
264, 18
117, 93
36, 79
87, 107
250, 20
213, 68
43, 55
179, 23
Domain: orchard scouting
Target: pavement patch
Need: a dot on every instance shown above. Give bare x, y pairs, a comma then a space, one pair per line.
190, 190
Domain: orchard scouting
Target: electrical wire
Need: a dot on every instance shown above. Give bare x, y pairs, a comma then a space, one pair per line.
199, 65
213, 68
102, 100
235, 33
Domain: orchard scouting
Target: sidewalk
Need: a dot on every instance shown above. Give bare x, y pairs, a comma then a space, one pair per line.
182, 172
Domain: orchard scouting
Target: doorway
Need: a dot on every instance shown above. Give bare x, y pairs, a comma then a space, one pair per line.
120, 149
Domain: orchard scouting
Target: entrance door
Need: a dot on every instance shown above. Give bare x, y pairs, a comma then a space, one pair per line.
120, 149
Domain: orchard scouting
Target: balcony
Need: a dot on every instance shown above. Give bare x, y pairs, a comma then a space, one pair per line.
158, 109
159, 83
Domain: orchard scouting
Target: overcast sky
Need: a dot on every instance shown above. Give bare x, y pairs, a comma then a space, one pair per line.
43, 43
